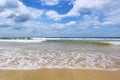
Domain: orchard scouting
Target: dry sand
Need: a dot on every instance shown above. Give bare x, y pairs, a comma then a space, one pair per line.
59, 74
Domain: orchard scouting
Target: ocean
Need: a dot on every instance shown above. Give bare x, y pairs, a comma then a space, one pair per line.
73, 53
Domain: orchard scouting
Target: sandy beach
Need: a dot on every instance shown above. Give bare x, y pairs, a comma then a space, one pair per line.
59, 74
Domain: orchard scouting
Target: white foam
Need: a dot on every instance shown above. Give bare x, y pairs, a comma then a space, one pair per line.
107, 40
94, 39
23, 41
115, 43
21, 58
15, 59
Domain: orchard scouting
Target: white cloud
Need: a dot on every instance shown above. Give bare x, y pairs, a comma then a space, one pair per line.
18, 21
63, 25
78, 5
5, 13
49, 2
21, 13
92, 21
58, 25
71, 23
4, 23
35, 12
28, 10
106, 23
53, 15
110, 9
14, 14
113, 16
8, 3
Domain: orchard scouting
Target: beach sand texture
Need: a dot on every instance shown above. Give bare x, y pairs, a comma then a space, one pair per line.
59, 74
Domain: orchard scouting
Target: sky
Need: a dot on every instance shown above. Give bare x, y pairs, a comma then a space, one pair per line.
59, 18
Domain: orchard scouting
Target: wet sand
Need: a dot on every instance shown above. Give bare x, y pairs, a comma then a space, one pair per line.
59, 74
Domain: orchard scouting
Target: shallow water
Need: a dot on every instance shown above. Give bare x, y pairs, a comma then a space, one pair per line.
59, 54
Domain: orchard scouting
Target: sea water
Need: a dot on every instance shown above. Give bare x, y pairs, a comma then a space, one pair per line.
83, 53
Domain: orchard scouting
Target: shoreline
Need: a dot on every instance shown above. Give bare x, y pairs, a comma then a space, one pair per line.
25, 69
59, 74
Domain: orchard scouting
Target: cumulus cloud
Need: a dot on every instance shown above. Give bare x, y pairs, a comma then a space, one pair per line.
109, 8
49, 2
8, 4
51, 14
113, 16
71, 23
6, 23
63, 25
14, 15
78, 6
22, 18
92, 21
14, 11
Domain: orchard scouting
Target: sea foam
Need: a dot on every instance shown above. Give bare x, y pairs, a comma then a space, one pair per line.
18, 59
23, 41
58, 55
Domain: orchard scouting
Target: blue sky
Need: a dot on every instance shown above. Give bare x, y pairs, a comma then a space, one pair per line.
59, 18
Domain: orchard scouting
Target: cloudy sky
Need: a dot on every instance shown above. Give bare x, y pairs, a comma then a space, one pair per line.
60, 18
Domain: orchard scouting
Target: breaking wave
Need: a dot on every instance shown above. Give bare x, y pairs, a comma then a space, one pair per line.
58, 55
